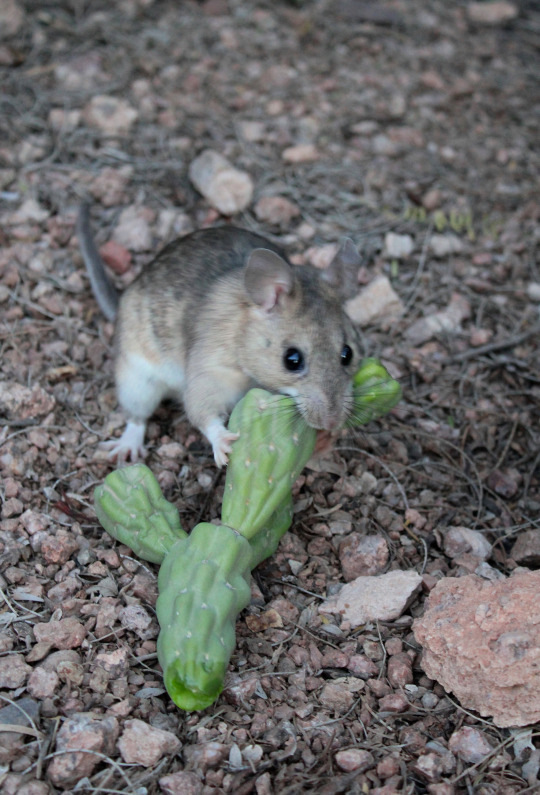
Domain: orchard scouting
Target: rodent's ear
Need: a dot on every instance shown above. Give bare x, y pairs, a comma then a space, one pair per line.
266, 277
342, 273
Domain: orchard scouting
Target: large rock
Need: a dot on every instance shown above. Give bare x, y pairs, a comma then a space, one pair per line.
376, 302
382, 598
78, 737
223, 186
142, 744
481, 641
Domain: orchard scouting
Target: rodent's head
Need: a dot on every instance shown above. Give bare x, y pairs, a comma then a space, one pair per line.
299, 340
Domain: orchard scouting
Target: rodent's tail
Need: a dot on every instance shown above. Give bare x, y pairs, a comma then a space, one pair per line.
104, 290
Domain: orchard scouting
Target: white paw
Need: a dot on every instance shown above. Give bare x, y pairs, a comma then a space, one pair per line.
130, 446
221, 440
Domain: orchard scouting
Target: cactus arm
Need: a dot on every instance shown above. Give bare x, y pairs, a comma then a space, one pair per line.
130, 506
203, 585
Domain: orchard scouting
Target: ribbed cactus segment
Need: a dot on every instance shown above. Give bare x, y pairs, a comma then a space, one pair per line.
130, 506
267, 539
203, 585
273, 448
375, 392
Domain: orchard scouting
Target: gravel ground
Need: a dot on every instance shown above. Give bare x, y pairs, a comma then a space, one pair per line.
414, 118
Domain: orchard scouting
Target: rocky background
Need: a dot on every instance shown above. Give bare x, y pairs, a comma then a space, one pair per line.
411, 127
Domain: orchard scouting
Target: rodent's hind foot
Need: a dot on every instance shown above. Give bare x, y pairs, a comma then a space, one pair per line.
221, 440
130, 446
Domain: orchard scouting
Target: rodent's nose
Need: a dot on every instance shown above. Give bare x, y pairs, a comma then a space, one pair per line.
332, 422
323, 417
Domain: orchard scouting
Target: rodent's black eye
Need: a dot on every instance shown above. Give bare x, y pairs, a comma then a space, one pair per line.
346, 355
293, 359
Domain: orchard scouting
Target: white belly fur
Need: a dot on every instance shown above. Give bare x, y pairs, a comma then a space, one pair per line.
142, 385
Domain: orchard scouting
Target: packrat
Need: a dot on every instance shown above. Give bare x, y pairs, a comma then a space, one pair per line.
218, 312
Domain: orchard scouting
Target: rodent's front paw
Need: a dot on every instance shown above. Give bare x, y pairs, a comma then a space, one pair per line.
221, 440
223, 447
130, 446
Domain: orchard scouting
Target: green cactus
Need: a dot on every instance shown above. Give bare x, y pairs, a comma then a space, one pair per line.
375, 392
130, 506
274, 446
204, 577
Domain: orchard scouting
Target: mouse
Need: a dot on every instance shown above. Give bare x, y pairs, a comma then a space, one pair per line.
216, 313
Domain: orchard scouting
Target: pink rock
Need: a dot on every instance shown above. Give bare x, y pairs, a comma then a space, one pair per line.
443, 245
462, 541
109, 187
370, 598
321, 256
64, 120
81, 735
133, 230
504, 482
136, 619
362, 555
68, 633
428, 766
109, 114
115, 662
19, 402
58, 549
252, 130
399, 670
239, 690
11, 18
333, 658
301, 153
377, 301
526, 550
481, 641
496, 12
117, 257
354, 759
12, 507
393, 646
336, 697
389, 766
393, 702
443, 788
433, 198
479, 336
276, 210
142, 744
144, 588
181, 783
223, 186
14, 671
22, 787
470, 744
398, 246
34, 522
59, 593
30, 210
204, 755
362, 666
42, 683
448, 321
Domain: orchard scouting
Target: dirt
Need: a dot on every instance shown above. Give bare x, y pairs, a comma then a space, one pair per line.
422, 121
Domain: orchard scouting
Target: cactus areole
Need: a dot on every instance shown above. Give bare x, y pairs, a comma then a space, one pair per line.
204, 576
